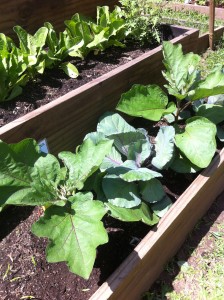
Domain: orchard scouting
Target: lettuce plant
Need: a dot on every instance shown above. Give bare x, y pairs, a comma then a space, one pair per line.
59, 48
12, 69
193, 121
31, 47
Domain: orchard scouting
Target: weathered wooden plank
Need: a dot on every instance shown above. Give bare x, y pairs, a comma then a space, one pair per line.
219, 12
203, 41
76, 113
31, 14
145, 263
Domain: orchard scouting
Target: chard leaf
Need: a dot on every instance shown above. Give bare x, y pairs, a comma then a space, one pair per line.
74, 232
112, 123
27, 178
161, 207
70, 69
212, 85
149, 102
141, 213
152, 191
181, 164
215, 113
197, 142
86, 161
120, 193
220, 133
164, 147
140, 174
181, 70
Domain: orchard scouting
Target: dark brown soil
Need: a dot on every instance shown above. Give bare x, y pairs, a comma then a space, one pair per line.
24, 270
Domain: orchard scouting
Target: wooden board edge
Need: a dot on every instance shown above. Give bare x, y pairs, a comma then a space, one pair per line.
146, 262
219, 12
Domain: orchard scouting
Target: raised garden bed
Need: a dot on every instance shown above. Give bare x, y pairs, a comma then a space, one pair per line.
68, 114
65, 121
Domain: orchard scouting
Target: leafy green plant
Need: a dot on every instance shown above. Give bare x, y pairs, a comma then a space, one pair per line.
142, 24
29, 178
59, 48
128, 187
195, 142
12, 69
107, 31
32, 49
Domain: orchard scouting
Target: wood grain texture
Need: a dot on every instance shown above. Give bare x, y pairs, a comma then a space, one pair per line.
31, 14
203, 41
219, 12
146, 262
66, 120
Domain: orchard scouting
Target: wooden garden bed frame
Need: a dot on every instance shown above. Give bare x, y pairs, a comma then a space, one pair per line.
65, 121
144, 265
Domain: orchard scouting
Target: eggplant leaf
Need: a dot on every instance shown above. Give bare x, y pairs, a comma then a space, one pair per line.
181, 70
74, 233
26, 177
84, 163
215, 113
149, 102
141, 213
198, 142
212, 85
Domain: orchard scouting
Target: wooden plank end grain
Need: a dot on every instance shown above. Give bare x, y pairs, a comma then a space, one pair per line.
146, 262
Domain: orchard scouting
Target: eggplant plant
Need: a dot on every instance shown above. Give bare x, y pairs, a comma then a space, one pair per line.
193, 120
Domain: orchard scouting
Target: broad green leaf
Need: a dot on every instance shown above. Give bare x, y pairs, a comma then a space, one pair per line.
27, 178
113, 123
123, 141
86, 161
141, 213
111, 160
164, 147
181, 164
70, 69
212, 85
139, 151
120, 193
74, 233
149, 102
140, 174
197, 142
161, 207
152, 191
215, 113
96, 137
181, 70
